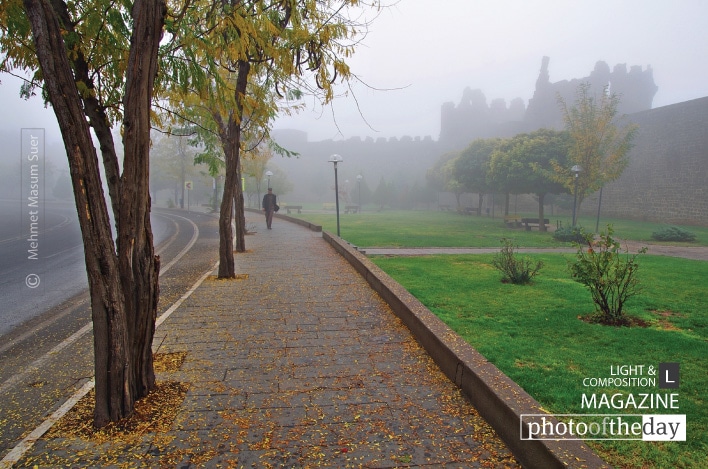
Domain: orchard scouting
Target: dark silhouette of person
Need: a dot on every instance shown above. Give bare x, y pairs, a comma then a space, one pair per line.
269, 202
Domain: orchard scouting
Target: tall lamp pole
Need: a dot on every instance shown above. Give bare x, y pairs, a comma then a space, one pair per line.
269, 174
336, 159
358, 180
576, 171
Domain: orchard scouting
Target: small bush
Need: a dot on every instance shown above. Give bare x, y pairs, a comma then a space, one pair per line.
569, 234
610, 276
673, 233
518, 271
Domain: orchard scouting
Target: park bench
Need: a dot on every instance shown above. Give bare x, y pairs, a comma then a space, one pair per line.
328, 206
444, 207
470, 211
294, 207
351, 208
529, 222
512, 221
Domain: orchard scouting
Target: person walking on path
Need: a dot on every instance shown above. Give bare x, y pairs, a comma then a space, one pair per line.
269, 204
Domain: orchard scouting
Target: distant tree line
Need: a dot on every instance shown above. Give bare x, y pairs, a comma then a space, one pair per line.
541, 162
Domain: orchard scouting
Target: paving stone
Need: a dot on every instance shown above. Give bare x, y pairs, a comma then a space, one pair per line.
301, 364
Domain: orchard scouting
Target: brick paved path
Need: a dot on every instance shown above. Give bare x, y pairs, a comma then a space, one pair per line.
298, 363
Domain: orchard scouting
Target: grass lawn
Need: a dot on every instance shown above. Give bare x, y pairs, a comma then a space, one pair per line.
397, 228
533, 334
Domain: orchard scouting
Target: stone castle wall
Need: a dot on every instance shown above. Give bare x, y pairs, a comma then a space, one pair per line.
667, 177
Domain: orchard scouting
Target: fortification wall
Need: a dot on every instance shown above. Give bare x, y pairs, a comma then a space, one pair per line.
667, 177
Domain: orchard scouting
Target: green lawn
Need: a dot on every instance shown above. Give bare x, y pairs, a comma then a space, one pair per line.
534, 334
397, 228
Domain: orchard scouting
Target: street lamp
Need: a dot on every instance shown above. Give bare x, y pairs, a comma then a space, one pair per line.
599, 205
358, 180
576, 171
336, 159
269, 174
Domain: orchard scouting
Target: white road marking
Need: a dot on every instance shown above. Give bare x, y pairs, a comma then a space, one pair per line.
23, 446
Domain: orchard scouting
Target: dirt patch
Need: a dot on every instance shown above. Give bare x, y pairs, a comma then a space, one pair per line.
663, 320
153, 413
624, 321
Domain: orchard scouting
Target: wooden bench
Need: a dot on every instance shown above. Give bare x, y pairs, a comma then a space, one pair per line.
470, 211
529, 222
444, 207
351, 209
512, 221
328, 206
294, 207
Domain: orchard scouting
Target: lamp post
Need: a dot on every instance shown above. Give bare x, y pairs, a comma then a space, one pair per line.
268, 175
358, 181
576, 171
599, 205
336, 159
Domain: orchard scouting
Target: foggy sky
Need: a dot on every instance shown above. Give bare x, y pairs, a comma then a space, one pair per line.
433, 50
436, 49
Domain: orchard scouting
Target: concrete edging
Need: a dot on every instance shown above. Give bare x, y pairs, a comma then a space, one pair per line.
496, 397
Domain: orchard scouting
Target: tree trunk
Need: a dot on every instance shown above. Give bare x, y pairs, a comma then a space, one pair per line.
139, 267
226, 236
541, 215
480, 203
95, 111
240, 213
230, 134
107, 300
123, 324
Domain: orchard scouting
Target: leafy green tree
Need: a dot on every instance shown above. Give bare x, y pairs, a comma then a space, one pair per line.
96, 62
507, 172
524, 164
598, 144
471, 169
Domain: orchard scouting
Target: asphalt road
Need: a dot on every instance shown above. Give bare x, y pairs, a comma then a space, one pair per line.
46, 346
42, 270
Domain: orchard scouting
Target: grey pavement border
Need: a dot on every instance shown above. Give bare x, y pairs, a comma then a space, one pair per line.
496, 397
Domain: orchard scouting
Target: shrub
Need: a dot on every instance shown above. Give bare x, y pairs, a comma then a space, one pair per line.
610, 276
572, 234
516, 270
673, 233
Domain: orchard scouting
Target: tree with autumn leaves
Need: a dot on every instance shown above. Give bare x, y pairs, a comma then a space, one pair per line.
266, 51
100, 64
599, 144
96, 64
